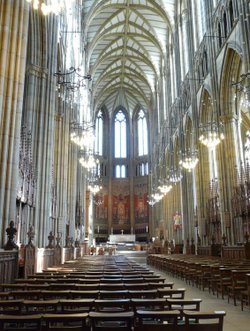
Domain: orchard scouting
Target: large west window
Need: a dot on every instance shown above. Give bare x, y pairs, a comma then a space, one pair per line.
142, 134
120, 135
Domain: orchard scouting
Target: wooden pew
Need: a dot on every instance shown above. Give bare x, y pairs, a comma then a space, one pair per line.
106, 321
161, 320
65, 322
20, 322
11, 306
112, 305
178, 293
211, 321
148, 304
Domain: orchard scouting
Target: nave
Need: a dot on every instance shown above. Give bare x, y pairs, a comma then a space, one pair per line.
111, 293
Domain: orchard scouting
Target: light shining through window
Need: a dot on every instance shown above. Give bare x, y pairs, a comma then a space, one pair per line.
120, 136
142, 134
99, 133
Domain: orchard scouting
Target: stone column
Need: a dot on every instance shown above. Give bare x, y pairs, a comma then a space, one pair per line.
13, 46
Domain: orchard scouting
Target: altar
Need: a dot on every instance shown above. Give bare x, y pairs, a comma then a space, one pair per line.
121, 238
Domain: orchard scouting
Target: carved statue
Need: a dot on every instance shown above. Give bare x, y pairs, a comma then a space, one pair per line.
51, 240
31, 235
11, 232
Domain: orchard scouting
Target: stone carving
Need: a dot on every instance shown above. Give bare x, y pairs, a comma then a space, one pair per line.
51, 238
11, 232
26, 189
31, 235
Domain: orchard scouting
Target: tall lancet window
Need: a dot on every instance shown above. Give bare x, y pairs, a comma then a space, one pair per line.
120, 135
142, 134
99, 133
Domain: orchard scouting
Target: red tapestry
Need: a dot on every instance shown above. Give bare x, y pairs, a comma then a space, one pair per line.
101, 206
120, 209
141, 207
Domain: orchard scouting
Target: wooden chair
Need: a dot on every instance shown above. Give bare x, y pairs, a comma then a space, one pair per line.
238, 284
10, 306
4, 295
40, 306
143, 294
136, 286
20, 322
148, 304
132, 280
112, 286
151, 279
113, 305
221, 281
106, 321
245, 295
211, 321
171, 293
26, 295
118, 294
183, 304
65, 322
87, 287
57, 294
162, 320
89, 294
76, 305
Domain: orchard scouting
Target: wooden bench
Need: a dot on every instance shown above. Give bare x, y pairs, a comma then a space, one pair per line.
10, 306
106, 321
183, 304
143, 294
76, 305
161, 320
148, 304
40, 306
113, 305
65, 322
119, 294
211, 321
88, 294
172, 293
20, 322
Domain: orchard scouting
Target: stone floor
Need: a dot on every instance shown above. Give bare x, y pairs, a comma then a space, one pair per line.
235, 320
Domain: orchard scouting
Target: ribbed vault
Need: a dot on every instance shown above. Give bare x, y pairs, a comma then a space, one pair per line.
126, 42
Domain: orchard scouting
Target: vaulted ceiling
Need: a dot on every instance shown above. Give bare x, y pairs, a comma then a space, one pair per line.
126, 42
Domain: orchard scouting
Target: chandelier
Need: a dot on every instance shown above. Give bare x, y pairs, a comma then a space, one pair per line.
94, 188
154, 198
94, 184
212, 134
50, 7
71, 80
151, 201
165, 187
189, 160
98, 201
88, 160
175, 175
83, 134
243, 87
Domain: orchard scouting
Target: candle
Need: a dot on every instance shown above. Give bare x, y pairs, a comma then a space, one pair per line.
146, 228
98, 229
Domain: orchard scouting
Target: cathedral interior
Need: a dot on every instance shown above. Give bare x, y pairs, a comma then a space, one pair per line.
123, 121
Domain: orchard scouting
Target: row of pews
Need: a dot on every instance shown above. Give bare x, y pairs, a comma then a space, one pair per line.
223, 277
101, 293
